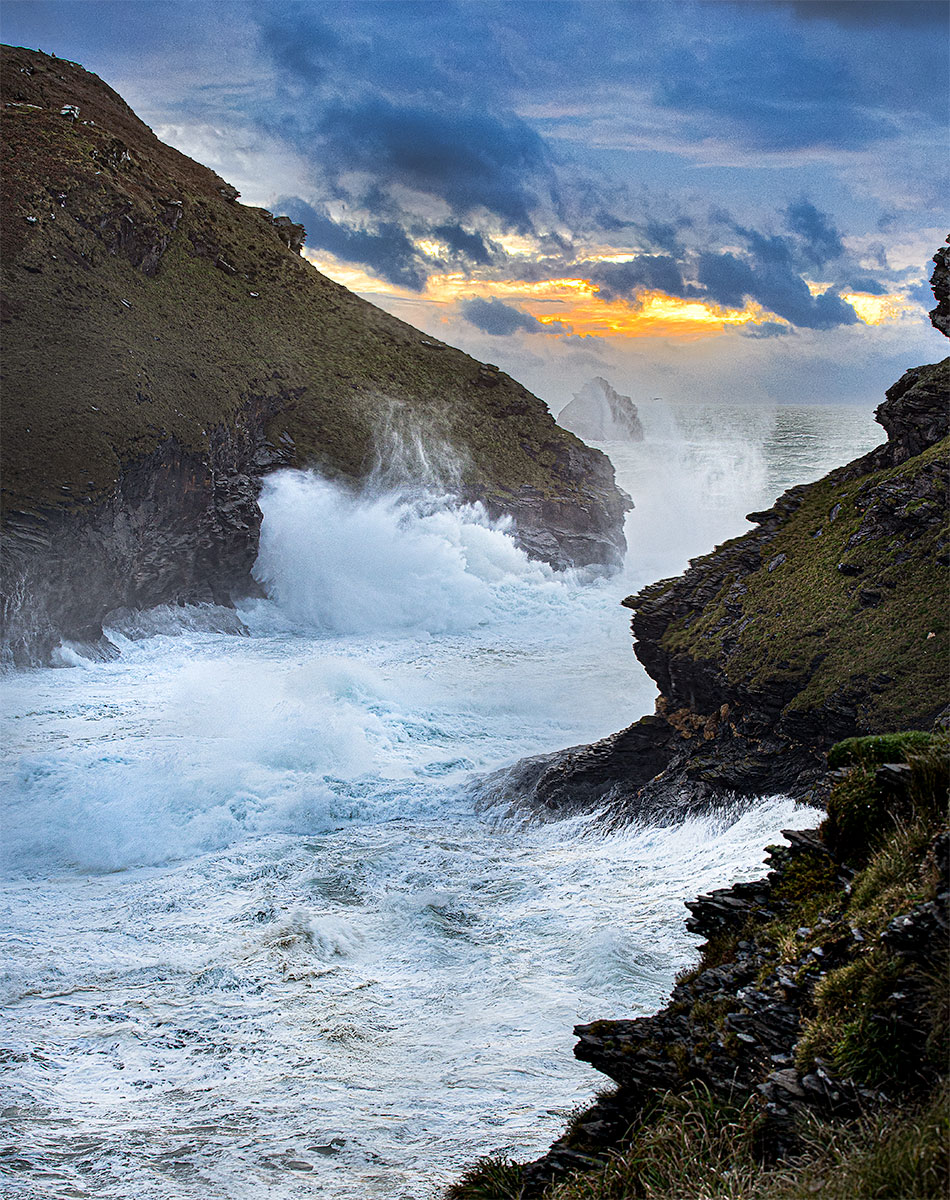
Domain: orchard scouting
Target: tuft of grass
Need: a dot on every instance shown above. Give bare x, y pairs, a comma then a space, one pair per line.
880, 748
491, 1178
693, 1145
898, 1156
862, 811
699, 1149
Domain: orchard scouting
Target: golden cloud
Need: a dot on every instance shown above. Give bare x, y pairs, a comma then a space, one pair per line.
577, 304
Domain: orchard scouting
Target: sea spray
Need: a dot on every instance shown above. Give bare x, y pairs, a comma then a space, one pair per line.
382, 561
258, 938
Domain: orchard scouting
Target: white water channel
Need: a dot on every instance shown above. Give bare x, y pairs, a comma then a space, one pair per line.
259, 939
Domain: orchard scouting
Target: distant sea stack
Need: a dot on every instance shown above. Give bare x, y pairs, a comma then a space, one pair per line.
600, 414
165, 347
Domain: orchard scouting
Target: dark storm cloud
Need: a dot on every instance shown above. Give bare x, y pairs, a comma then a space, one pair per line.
768, 329
469, 159
386, 250
308, 57
866, 284
376, 97
666, 235
658, 272
820, 241
408, 114
729, 281
500, 319
777, 97
770, 270
468, 245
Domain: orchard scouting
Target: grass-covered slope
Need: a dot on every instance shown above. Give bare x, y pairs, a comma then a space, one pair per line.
806, 1054
165, 346
142, 303
842, 603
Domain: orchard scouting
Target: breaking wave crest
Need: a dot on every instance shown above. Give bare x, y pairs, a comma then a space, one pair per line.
384, 561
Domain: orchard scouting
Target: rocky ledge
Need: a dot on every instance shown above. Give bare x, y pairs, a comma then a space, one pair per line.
820, 999
166, 346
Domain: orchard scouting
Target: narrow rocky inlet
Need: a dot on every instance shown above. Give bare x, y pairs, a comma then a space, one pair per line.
474, 651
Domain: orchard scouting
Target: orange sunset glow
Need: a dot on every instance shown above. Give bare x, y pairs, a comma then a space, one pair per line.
577, 304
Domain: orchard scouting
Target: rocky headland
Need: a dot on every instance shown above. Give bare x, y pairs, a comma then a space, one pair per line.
166, 346
827, 621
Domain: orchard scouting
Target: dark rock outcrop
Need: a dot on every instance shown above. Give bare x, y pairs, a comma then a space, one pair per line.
166, 346
180, 527
916, 413
940, 282
826, 621
598, 412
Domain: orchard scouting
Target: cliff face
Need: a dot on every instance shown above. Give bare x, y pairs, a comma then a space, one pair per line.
166, 346
827, 621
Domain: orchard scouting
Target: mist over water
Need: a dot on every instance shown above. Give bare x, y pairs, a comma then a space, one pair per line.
259, 942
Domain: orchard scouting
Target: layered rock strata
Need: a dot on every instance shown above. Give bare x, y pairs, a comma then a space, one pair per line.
166, 346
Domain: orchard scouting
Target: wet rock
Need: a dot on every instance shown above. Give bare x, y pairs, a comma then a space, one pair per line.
178, 528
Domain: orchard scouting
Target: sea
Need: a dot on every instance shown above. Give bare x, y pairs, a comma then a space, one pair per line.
263, 936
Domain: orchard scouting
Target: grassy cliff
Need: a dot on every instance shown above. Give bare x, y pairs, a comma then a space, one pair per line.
166, 346
143, 303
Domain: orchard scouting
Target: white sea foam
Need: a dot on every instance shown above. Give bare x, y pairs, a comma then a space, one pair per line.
259, 943
381, 562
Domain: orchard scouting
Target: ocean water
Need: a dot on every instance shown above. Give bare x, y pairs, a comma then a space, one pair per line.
260, 937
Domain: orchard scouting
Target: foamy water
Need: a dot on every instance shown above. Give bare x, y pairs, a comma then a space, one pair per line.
259, 941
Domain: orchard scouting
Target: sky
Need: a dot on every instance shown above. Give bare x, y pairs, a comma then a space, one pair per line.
702, 200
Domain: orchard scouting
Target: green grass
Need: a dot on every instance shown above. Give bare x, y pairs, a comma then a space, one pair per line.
192, 348
862, 811
700, 1149
491, 1178
810, 632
